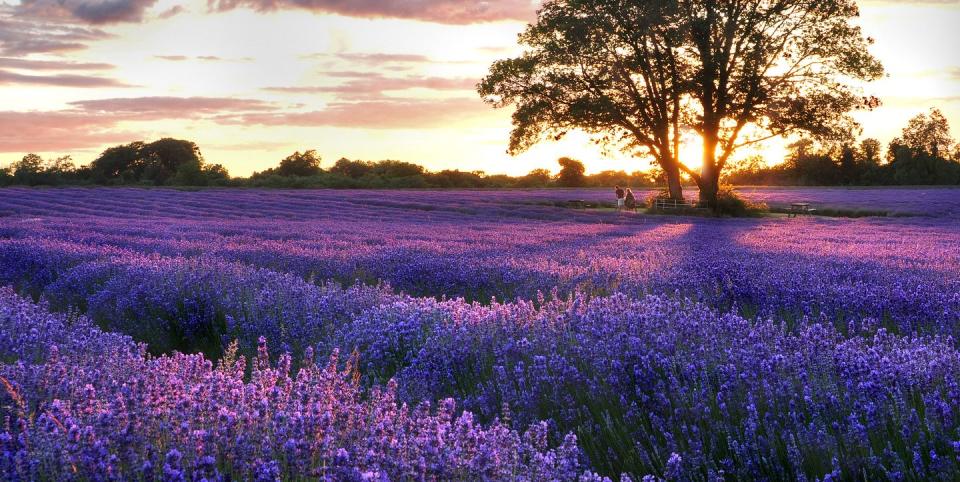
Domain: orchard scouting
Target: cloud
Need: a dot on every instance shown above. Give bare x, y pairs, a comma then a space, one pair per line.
372, 86
377, 58
952, 73
380, 61
172, 11
94, 123
379, 114
56, 131
440, 11
204, 58
913, 101
172, 58
248, 146
60, 80
95, 12
153, 108
19, 36
498, 50
26, 64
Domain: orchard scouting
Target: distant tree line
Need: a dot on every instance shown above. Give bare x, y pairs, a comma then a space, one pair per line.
163, 162
302, 169
174, 162
924, 154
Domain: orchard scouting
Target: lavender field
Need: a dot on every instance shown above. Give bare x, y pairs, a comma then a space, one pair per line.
158, 334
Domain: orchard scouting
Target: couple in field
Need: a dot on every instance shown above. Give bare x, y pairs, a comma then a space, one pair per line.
625, 199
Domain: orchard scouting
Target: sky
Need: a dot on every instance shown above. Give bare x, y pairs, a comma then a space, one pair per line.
251, 81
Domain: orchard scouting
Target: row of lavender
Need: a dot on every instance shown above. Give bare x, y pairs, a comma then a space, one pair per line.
857, 274
657, 385
80, 404
313, 204
649, 386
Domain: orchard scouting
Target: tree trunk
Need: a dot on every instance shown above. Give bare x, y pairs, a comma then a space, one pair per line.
710, 187
709, 182
672, 172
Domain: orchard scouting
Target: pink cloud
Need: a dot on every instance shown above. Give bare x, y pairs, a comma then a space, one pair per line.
440, 11
25, 64
95, 12
379, 59
372, 86
56, 131
379, 114
152, 108
23, 36
172, 11
172, 58
60, 80
93, 123
181, 58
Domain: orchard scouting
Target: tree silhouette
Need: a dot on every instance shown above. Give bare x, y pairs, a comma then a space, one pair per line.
166, 158
870, 151
306, 163
118, 162
637, 74
571, 173
609, 68
536, 178
352, 169
926, 134
158, 162
778, 66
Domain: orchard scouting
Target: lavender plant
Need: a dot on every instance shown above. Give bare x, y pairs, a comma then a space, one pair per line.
80, 404
671, 348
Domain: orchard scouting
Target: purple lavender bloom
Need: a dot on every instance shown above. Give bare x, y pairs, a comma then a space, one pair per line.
758, 349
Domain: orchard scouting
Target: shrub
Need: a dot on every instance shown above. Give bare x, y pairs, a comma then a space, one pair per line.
652, 199
730, 203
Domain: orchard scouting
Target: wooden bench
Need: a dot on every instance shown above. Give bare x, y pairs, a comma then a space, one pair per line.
578, 204
799, 209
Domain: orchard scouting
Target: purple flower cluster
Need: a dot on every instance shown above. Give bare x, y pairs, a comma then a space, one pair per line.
641, 379
673, 348
79, 404
855, 273
295, 205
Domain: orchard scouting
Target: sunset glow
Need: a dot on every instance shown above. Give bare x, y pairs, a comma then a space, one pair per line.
253, 81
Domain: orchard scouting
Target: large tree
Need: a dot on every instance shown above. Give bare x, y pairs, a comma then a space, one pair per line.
638, 73
606, 67
772, 67
157, 162
925, 134
571, 173
306, 163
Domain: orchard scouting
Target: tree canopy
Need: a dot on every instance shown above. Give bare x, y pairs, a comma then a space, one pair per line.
910, 161
306, 163
33, 170
925, 134
638, 74
158, 162
604, 67
571, 173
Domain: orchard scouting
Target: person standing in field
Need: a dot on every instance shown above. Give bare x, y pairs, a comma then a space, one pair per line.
619, 191
630, 200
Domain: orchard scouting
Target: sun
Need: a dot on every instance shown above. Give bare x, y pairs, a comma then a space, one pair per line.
691, 151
